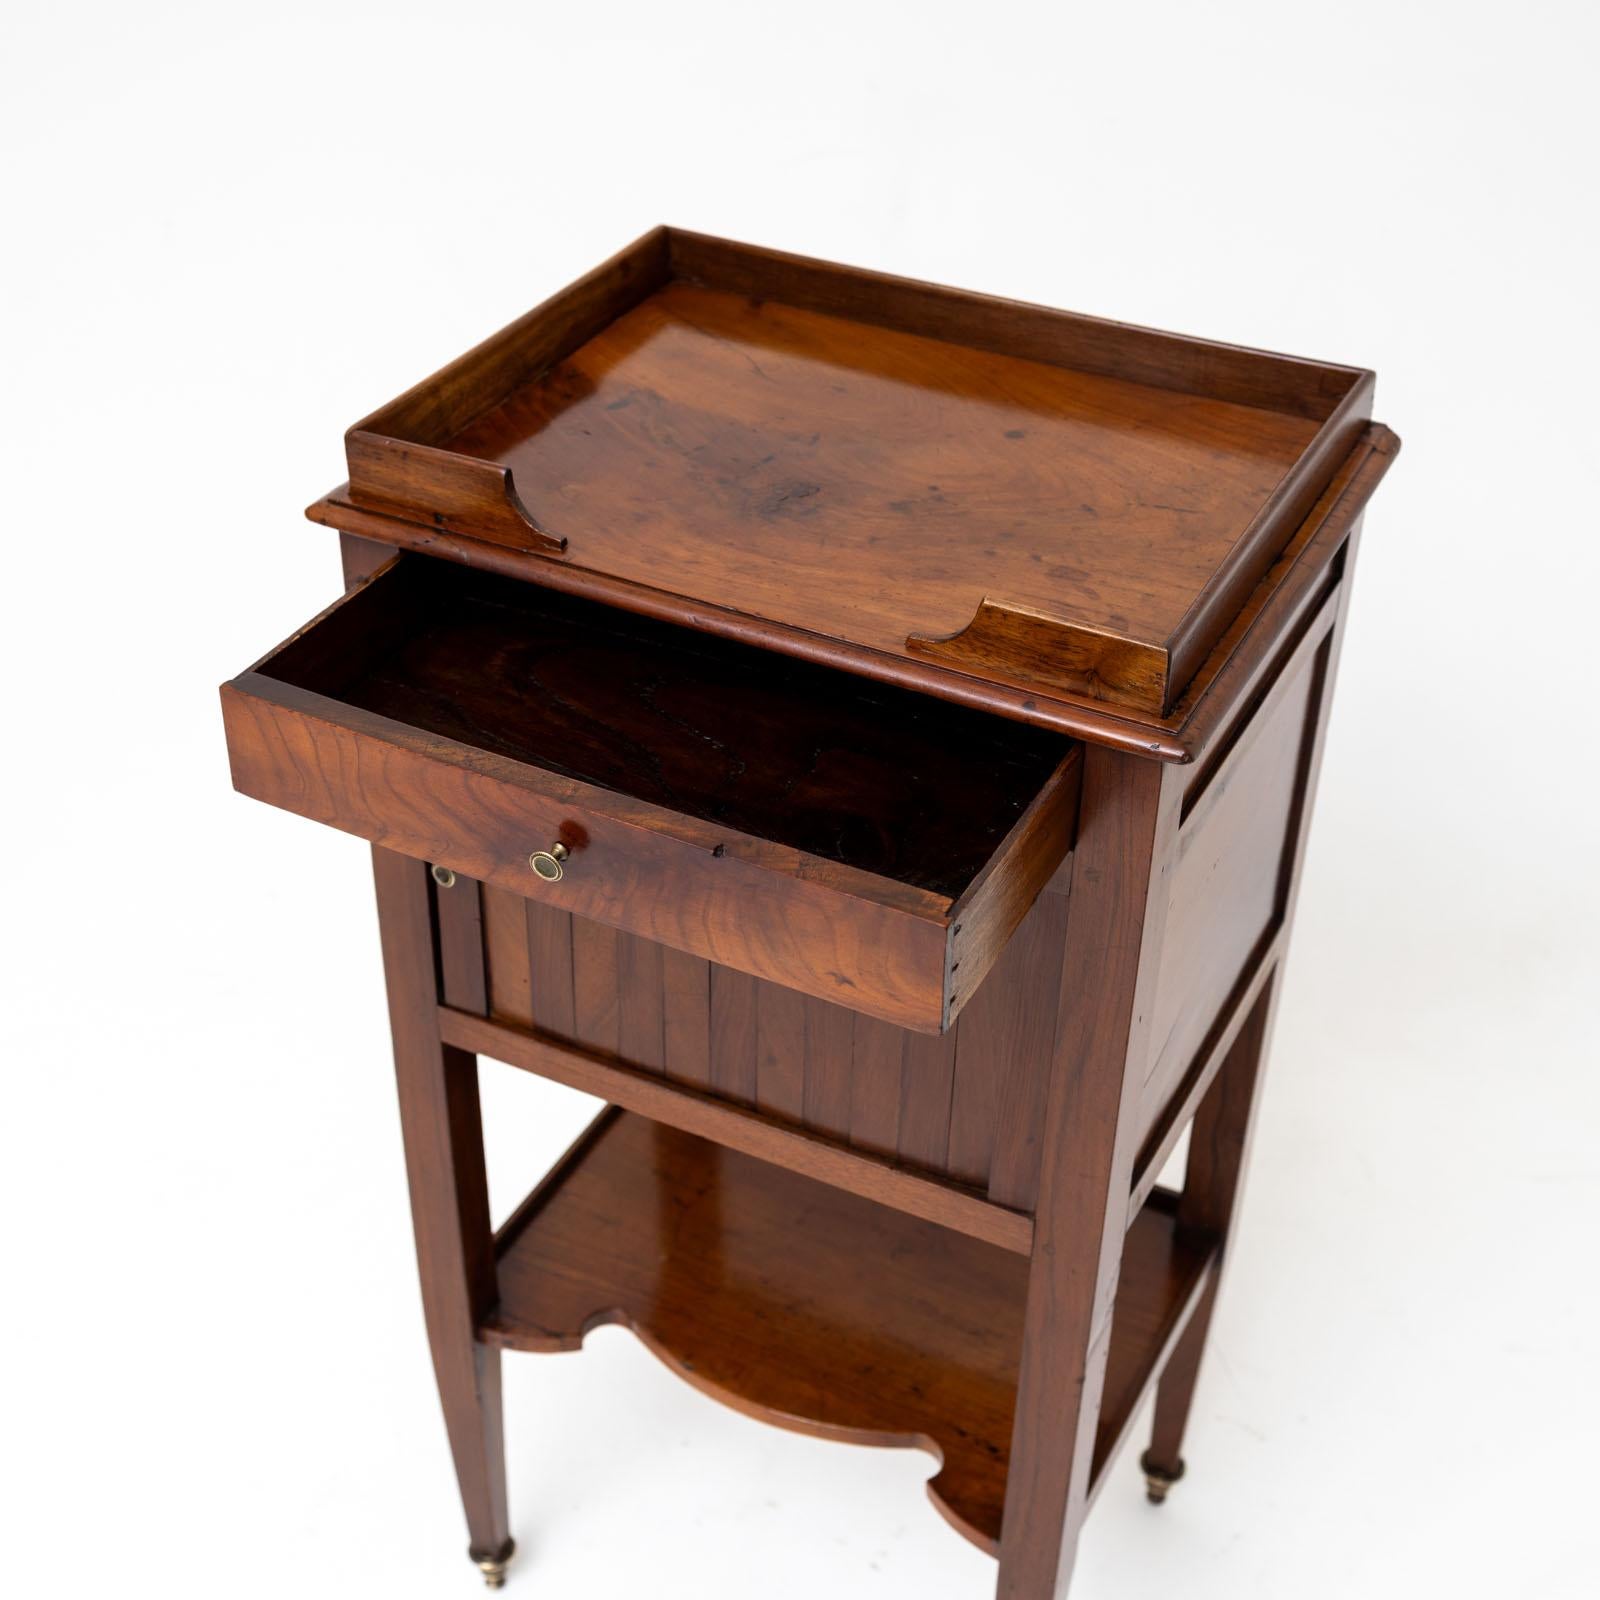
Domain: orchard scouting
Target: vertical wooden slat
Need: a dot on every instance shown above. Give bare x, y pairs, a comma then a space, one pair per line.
505, 945
596, 1008
984, 1042
927, 1083
733, 1035
461, 976
877, 1050
686, 1018
640, 1022
550, 967
780, 1051
829, 1045
1039, 943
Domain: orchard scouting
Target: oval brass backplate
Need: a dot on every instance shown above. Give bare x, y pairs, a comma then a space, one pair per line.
547, 863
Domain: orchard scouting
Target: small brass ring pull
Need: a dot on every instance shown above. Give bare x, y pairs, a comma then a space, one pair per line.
547, 863
444, 877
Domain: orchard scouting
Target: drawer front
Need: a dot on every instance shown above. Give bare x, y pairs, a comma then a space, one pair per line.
718, 899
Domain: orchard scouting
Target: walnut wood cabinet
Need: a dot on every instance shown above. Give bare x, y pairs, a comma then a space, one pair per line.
865, 733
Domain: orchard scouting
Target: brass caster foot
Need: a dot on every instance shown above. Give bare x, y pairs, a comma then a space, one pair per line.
494, 1567
1158, 1480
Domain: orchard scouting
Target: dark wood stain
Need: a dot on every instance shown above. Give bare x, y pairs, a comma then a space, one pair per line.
1029, 494
813, 1308
875, 777
850, 1077
896, 1006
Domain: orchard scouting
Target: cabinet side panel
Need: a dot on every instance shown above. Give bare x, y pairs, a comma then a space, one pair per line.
1226, 899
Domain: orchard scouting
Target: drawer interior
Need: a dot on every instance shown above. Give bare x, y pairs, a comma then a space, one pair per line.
869, 775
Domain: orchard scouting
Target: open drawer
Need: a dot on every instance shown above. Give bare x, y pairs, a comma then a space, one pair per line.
854, 840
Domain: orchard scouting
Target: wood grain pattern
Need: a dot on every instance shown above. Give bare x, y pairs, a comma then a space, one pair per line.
898, 1007
781, 1052
686, 1018
830, 1067
1211, 1190
734, 999
1024, 1067
1126, 839
1011, 327
950, 1205
361, 558
388, 475
877, 1064
866, 474
462, 978
596, 990
641, 1002
810, 1307
1224, 1124
1212, 696
552, 979
1164, 1122
480, 818
1224, 899
967, 1104
881, 458
407, 714
1014, 642
838, 768
927, 1087
508, 963
449, 400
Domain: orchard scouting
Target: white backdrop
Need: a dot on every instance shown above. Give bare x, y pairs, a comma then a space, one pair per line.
231, 232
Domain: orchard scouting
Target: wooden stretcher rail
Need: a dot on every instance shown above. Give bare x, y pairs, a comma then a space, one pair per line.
857, 1171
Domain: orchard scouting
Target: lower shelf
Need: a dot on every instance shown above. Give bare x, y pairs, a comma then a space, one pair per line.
811, 1307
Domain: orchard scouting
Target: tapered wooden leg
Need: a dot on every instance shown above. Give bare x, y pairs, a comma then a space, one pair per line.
1219, 1143
1127, 830
1218, 1147
443, 1133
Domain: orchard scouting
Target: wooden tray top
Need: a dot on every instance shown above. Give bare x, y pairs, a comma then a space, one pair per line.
1026, 496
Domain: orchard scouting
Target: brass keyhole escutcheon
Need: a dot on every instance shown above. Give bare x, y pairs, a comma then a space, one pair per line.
547, 863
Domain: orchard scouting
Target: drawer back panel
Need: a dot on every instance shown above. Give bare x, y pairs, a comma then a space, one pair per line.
965, 1104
